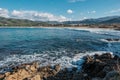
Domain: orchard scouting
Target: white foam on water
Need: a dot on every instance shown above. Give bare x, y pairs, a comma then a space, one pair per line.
44, 59
99, 30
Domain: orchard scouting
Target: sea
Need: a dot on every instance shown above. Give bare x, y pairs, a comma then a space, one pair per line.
50, 46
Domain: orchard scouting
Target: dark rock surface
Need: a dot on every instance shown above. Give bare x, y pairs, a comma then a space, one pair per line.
112, 40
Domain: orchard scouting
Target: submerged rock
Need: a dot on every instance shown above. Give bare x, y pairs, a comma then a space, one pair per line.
111, 40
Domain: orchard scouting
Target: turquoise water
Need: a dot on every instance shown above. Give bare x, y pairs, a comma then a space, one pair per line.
44, 44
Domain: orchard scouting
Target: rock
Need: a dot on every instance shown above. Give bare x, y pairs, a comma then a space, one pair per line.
7, 74
107, 69
32, 67
74, 69
99, 65
89, 59
96, 67
19, 75
97, 78
97, 60
57, 67
105, 56
113, 75
36, 77
21, 72
85, 75
111, 40
2, 76
116, 57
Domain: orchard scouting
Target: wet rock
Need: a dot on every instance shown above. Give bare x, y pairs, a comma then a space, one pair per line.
19, 75
48, 71
116, 57
97, 79
100, 65
2, 76
112, 40
104, 56
22, 72
96, 67
113, 75
7, 74
57, 67
89, 59
36, 77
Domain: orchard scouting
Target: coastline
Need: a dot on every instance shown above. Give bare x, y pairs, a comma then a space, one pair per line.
52, 73
95, 67
61, 27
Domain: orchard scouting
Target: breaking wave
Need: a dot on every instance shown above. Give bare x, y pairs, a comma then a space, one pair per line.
47, 59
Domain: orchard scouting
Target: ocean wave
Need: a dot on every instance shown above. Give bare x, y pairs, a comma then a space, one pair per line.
46, 59
99, 31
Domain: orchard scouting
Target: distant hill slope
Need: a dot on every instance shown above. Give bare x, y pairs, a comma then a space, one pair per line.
19, 22
103, 20
24, 22
114, 20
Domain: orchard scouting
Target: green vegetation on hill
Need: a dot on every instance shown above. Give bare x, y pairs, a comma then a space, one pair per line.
105, 22
20, 22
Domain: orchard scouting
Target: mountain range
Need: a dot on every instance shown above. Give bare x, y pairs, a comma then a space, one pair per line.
25, 22
103, 20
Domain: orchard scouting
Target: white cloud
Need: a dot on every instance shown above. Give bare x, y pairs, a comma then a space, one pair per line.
115, 11
4, 12
37, 16
91, 12
32, 15
73, 1
69, 11
84, 17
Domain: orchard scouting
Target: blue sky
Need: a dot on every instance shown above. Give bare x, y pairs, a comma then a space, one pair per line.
59, 10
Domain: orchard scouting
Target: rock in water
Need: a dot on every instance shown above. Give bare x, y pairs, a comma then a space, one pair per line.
113, 75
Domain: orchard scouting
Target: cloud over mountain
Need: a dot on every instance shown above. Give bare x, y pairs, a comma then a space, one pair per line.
91, 12
4, 12
115, 11
31, 15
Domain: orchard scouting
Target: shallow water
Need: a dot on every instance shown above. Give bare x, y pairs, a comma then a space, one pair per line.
53, 45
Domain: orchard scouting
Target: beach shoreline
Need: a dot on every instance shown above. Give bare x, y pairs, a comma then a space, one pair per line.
59, 27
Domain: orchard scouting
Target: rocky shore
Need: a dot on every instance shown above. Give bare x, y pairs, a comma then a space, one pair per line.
95, 67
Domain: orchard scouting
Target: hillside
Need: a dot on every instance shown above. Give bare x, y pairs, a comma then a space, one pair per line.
20, 22
24, 22
113, 21
103, 20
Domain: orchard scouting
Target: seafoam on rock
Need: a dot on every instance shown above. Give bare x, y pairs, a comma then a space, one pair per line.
45, 59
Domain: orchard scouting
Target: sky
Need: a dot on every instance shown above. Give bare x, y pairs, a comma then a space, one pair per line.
59, 10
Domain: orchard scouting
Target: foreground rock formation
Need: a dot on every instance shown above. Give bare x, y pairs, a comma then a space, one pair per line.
96, 67
30, 71
102, 67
